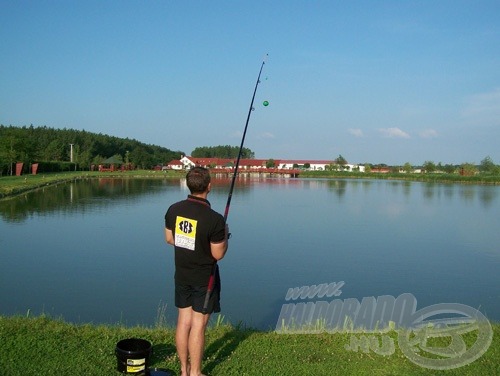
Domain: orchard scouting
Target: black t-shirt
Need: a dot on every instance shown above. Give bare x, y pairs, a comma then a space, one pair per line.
194, 225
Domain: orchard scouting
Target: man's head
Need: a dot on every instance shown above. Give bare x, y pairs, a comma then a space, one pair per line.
198, 180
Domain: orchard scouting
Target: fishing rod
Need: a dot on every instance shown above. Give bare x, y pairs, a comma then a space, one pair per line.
230, 195
213, 273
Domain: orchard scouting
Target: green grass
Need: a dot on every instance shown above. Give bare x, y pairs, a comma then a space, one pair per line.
431, 178
45, 346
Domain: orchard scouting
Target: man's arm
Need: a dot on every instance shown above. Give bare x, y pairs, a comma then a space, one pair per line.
218, 250
169, 236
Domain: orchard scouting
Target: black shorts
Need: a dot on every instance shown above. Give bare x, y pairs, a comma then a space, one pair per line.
194, 296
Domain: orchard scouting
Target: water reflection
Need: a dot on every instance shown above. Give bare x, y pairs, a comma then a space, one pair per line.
87, 194
78, 196
487, 196
338, 187
433, 192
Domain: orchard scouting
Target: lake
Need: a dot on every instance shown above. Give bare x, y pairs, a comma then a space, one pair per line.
94, 250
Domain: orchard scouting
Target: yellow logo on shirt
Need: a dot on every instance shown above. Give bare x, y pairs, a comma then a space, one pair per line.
185, 232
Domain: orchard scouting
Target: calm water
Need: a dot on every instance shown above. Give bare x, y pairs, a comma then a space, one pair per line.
94, 251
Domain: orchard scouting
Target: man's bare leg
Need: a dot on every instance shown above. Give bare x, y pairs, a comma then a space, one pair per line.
196, 343
182, 338
190, 340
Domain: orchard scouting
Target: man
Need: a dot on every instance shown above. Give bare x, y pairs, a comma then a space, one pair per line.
199, 236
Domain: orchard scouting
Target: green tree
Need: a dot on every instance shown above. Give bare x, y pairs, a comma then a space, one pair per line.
222, 151
82, 158
429, 166
341, 161
98, 159
270, 163
34, 144
407, 167
140, 158
449, 168
468, 169
8, 154
488, 166
54, 151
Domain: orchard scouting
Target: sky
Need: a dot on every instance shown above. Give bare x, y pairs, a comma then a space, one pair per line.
374, 81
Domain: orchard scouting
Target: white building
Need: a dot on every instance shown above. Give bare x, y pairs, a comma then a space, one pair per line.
187, 162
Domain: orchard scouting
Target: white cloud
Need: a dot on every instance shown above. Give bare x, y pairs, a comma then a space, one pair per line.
428, 133
236, 134
394, 133
355, 132
266, 135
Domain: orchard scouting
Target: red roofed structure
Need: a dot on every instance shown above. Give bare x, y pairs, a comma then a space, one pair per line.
281, 166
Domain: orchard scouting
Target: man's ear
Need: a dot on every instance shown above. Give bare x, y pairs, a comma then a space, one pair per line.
209, 187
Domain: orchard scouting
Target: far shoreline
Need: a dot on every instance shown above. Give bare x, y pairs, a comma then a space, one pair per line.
12, 186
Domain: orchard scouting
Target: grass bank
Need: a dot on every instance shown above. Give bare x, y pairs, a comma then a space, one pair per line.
431, 177
45, 346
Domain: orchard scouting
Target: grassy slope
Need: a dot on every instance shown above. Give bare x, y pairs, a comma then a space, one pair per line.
430, 178
43, 346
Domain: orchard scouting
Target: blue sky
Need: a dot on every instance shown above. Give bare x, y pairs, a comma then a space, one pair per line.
374, 81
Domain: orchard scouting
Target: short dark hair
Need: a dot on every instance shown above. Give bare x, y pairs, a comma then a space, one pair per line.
197, 179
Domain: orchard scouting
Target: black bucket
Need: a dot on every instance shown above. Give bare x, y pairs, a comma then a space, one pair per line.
132, 355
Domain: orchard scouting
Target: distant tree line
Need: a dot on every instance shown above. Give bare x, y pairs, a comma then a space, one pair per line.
485, 167
47, 146
222, 151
